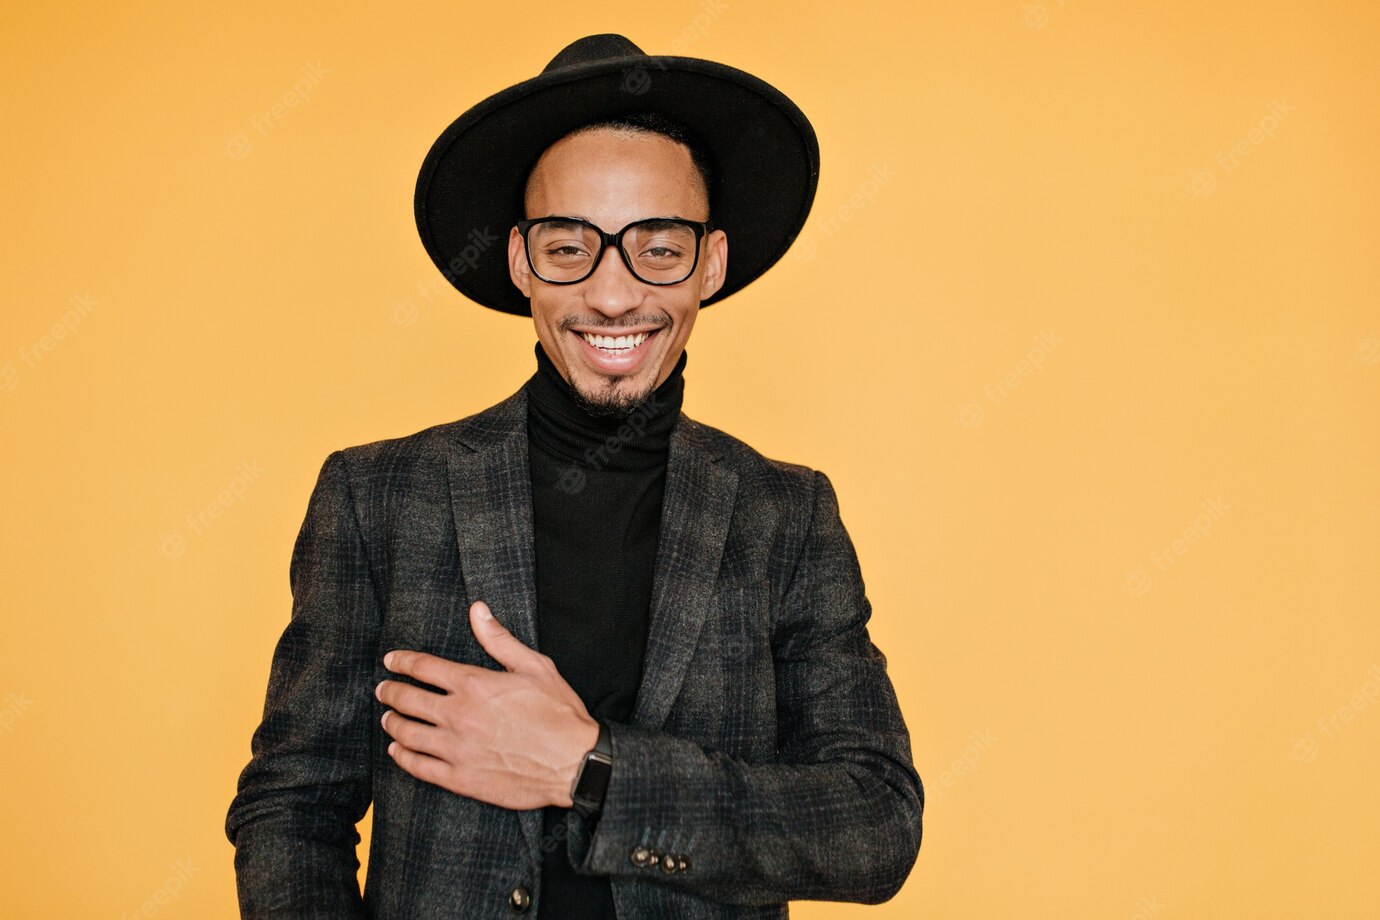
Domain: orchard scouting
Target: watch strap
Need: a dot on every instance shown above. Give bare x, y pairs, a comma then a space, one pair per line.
591, 783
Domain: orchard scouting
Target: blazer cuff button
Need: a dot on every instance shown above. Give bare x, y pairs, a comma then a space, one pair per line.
519, 899
640, 856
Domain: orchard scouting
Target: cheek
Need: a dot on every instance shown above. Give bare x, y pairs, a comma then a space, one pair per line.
685, 320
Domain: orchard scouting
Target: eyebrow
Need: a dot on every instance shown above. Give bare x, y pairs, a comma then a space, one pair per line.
653, 217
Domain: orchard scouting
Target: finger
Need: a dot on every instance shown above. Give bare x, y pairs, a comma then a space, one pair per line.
423, 766
413, 735
428, 668
506, 648
412, 701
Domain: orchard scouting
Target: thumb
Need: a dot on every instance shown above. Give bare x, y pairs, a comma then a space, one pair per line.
506, 648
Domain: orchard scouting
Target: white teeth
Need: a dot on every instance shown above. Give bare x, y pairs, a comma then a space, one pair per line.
609, 343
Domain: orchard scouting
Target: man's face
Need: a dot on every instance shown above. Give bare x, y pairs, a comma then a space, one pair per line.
611, 179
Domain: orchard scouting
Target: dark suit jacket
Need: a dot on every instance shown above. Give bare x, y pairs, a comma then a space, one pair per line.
766, 751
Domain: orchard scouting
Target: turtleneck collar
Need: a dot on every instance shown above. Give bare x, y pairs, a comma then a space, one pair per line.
558, 424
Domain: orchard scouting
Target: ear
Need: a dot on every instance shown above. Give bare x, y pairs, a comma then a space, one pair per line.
518, 269
715, 263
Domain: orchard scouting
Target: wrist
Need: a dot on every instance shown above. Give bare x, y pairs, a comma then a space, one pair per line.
584, 739
592, 779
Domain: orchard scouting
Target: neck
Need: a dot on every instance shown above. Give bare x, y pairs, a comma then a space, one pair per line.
560, 422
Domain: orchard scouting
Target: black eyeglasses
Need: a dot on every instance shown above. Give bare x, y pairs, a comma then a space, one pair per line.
657, 250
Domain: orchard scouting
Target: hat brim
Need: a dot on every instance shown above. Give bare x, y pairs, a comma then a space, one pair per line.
763, 150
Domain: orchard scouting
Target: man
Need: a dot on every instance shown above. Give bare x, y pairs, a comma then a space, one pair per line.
586, 656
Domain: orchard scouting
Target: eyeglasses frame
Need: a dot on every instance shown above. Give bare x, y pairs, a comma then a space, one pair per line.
606, 239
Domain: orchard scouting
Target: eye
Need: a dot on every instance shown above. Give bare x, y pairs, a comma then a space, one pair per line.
662, 252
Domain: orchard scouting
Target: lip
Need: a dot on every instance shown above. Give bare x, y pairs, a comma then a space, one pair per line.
605, 363
615, 333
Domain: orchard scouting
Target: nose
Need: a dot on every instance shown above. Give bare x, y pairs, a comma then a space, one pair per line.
611, 288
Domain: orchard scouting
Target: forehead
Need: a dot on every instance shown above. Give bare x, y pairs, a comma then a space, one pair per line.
613, 177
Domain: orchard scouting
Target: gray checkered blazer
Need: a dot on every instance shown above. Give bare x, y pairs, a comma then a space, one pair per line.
766, 759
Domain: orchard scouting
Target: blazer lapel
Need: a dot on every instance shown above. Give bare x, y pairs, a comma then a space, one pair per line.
491, 500
695, 512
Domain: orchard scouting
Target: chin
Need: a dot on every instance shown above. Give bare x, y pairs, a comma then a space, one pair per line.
626, 393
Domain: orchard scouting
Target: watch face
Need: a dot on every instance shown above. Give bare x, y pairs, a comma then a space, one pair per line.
594, 779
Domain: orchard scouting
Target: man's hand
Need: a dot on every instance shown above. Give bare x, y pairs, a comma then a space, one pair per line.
512, 738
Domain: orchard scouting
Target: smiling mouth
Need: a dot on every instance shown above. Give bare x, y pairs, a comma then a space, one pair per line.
617, 345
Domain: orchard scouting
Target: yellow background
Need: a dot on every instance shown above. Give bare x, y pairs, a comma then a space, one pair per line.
1125, 575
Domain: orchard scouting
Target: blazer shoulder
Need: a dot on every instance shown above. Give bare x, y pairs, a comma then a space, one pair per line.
780, 479
418, 442
401, 478
431, 443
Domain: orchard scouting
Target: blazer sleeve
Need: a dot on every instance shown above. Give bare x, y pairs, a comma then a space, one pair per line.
308, 783
837, 817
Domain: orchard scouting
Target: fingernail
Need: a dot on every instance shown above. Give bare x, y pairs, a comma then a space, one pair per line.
388, 660
485, 613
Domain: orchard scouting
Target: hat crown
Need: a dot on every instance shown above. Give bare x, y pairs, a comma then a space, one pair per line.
602, 47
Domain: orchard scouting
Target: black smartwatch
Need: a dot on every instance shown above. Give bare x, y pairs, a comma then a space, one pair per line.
593, 779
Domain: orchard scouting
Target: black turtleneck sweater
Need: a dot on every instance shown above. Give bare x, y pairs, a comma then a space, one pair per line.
597, 488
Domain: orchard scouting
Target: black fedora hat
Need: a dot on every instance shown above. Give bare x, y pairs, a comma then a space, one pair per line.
763, 151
